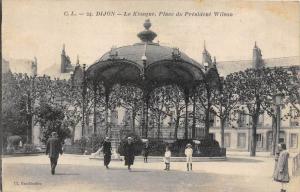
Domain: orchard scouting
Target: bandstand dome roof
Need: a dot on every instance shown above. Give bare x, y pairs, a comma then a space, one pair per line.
153, 51
145, 61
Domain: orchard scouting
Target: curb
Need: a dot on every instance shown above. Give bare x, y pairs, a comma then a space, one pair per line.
173, 159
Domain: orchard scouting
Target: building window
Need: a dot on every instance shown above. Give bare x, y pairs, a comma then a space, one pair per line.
259, 140
212, 119
295, 118
260, 120
212, 136
200, 132
241, 142
282, 137
294, 140
242, 119
227, 139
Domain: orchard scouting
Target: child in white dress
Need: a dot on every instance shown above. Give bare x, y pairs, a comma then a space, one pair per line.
167, 158
189, 155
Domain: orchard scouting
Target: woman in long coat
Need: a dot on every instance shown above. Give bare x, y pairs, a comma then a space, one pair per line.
281, 173
107, 152
129, 151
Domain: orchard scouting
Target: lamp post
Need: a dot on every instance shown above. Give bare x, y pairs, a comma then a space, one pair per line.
207, 113
145, 100
278, 103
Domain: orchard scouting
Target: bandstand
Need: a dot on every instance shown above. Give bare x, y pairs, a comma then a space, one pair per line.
147, 65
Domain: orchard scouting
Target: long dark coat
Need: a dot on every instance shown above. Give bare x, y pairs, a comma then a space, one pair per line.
54, 147
107, 152
129, 152
281, 173
107, 148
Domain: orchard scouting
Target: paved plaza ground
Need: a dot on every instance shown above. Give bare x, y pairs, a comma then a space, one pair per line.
76, 173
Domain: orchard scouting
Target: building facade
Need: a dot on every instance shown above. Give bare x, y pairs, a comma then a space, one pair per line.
238, 133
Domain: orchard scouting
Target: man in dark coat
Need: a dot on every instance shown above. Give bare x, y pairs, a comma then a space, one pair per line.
106, 147
129, 151
54, 148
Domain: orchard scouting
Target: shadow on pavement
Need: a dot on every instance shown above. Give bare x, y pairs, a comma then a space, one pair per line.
243, 160
67, 174
140, 171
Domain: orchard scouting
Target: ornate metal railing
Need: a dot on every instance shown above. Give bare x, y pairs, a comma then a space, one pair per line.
296, 165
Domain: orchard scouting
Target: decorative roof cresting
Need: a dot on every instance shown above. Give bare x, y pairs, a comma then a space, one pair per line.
147, 35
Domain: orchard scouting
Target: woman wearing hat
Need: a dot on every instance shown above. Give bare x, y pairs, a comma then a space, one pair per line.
129, 152
281, 173
106, 147
189, 155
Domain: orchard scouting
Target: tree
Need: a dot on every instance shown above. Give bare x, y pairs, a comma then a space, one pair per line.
225, 101
204, 93
157, 104
131, 100
175, 101
10, 106
286, 83
51, 118
256, 89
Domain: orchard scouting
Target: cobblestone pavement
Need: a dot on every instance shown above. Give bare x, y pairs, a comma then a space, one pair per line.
77, 173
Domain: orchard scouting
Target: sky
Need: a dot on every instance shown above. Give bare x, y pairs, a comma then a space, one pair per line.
40, 28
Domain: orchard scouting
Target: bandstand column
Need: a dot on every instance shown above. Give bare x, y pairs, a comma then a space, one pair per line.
107, 92
84, 87
145, 98
186, 99
95, 108
145, 114
194, 115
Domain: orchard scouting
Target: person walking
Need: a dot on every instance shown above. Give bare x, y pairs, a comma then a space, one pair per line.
146, 149
189, 155
106, 148
54, 148
167, 158
281, 173
129, 152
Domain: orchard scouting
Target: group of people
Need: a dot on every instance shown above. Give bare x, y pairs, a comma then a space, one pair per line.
54, 148
189, 157
129, 152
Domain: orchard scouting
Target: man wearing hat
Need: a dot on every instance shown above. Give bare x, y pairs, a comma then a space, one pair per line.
129, 152
189, 155
106, 147
54, 147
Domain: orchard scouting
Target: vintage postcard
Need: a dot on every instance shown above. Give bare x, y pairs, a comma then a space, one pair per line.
150, 95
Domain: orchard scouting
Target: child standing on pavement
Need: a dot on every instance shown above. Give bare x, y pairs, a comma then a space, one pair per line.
189, 155
167, 158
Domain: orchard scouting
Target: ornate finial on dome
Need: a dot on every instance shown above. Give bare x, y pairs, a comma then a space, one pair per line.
147, 35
